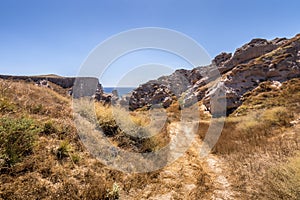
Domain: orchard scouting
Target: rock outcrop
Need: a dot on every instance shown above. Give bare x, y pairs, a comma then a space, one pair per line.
86, 87
281, 64
244, 54
167, 88
220, 86
257, 61
43, 83
151, 93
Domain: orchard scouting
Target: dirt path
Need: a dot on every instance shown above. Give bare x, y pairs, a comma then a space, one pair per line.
216, 168
180, 179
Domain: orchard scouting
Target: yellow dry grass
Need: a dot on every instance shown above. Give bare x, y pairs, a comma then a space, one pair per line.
59, 166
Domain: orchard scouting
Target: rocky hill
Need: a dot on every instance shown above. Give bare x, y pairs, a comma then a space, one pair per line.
258, 61
44, 154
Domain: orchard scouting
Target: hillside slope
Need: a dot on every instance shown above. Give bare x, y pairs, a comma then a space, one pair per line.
256, 157
253, 63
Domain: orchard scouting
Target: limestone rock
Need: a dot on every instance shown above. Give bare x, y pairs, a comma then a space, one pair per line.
149, 94
220, 59
255, 48
279, 65
43, 83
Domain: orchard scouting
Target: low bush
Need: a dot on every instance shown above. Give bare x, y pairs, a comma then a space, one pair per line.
17, 139
49, 128
129, 129
6, 106
63, 150
85, 108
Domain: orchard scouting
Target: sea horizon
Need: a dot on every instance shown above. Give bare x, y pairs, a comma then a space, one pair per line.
121, 90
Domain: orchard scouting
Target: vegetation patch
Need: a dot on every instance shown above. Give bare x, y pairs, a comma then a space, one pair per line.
129, 130
17, 139
283, 181
266, 96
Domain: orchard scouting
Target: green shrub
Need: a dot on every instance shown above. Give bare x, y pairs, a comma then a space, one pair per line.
17, 139
6, 106
129, 129
75, 158
49, 128
63, 150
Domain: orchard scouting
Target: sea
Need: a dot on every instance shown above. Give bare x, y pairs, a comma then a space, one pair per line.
121, 90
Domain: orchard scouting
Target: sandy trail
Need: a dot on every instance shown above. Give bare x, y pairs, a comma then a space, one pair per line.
178, 180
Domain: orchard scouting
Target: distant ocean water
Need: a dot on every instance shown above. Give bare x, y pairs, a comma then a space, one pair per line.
121, 90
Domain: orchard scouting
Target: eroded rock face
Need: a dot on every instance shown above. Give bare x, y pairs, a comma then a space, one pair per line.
165, 89
149, 94
86, 87
249, 51
255, 62
215, 99
279, 65
188, 82
223, 57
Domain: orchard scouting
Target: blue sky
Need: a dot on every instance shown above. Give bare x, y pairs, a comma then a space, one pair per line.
56, 36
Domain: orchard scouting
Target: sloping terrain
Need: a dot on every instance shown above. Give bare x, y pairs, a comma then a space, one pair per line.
42, 156
256, 156
253, 63
259, 137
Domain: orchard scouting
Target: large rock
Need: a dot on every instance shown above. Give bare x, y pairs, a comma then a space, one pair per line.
173, 86
255, 48
220, 59
150, 94
255, 62
86, 87
279, 65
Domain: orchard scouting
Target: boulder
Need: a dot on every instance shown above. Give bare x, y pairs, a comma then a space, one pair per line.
43, 83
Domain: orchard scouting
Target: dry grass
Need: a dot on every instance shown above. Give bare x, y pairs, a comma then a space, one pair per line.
41, 154
57, 165
19, 98
252, 130
267, 96
259, 136
130, 130
283, 181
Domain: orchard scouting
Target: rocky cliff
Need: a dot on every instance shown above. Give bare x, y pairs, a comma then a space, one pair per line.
255, 62
278, 65
227, 79
91, 85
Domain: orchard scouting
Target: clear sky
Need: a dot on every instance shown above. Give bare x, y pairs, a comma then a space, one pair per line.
55, 36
